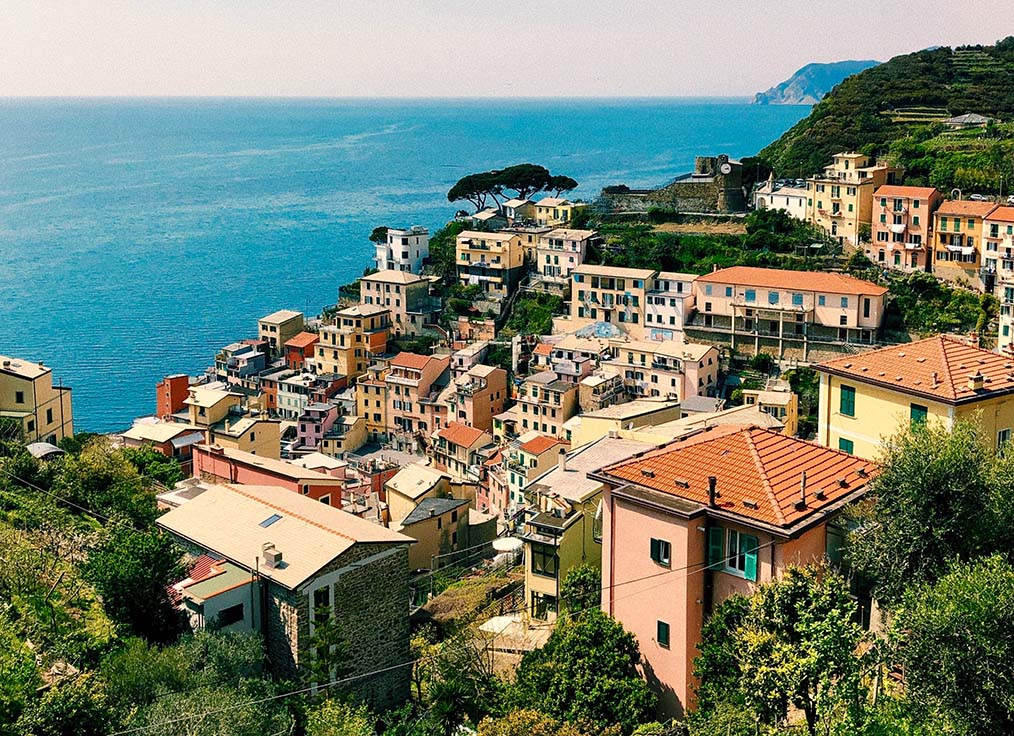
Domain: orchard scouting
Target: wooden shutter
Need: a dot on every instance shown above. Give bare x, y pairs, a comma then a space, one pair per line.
748, 546
715, 535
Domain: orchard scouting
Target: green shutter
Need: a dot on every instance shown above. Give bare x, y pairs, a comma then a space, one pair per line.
715, 535
748, 546
654, 550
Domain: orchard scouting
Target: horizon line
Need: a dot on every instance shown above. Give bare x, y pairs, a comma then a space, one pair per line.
381, 98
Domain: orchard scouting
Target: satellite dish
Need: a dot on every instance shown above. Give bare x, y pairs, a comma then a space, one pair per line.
726, 168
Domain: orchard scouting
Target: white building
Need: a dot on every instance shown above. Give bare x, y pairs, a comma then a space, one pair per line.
562, 250
668, 301
782, 195
404, 250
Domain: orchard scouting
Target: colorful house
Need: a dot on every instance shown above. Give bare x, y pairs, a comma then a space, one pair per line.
902, 229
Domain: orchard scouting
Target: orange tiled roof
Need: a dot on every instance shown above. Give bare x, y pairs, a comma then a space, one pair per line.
1005, 214
543, 348
777, 278
937, 367
460, 434
538, 445
894, 190
759, 473
965, 207
303, 340
411, 360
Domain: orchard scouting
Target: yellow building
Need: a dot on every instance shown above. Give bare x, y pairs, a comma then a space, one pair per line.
840, 201
554, 211
959, 249
223, 420
347, 434
29, 398
492, 261
595, 425
371, 402
867, 398
278, 328
348, 346
609, 294
211, 405
780, 403
410, 485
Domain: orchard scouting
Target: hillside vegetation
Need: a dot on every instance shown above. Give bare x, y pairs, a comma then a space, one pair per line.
898, 99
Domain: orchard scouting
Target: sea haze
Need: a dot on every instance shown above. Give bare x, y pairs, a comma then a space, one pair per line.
138, 236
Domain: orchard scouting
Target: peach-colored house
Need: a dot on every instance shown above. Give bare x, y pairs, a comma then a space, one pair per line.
476, 396
414, 384
724, 510
795, 307
902, 229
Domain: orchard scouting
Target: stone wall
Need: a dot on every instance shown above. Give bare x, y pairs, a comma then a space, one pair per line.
706, 190
371, 604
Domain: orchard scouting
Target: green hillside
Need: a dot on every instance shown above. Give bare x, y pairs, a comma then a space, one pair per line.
896, 108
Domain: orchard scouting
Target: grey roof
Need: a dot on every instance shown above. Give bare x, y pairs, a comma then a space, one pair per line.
432, 507
700, 403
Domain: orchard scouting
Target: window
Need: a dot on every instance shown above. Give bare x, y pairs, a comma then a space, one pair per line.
49, 416
917, 414
544, 560
270, 520
846, 445
821, 301
738, 555
662, 634
230, 615
797, 300
326, 500
661, 551
844, 302
728, 291
321, 604
19, 397
707, 289
772, 297
1002, 438
847, 402
751, 295
31, 425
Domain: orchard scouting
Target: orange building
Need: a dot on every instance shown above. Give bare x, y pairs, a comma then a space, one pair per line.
902, 228
170, 393
299, 349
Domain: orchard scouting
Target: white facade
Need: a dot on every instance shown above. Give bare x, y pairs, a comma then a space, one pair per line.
670, 298
789, 199
561, 251
404, 250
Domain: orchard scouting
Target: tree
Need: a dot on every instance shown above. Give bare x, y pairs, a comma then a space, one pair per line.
132, 572
340, 718
526, 722
102, 479
331, 651
796, 644
587, 673
524, 179
581, 589
74, 708
717, 665
151, 463
931, 503
379, 234
475, 188
462, 685
560, 184
18, 676
957, 649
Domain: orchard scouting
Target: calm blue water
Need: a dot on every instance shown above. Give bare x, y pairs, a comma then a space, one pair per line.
138, 236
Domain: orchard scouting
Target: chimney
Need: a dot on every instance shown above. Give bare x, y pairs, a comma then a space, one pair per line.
936, 379
801, 503
562, 460
272, 557
713, 493
977, 381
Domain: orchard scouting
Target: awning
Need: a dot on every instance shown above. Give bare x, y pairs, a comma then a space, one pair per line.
194, 438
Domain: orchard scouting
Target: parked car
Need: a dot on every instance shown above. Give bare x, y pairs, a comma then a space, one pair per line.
1010, 200
978, 197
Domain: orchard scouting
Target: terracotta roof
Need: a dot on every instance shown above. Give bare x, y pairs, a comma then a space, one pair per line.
540, 444
1005, 214
543, 348
893, 190
776, 278
965, 207
938, 367
758, 473
411, 360
460, 434
303, 340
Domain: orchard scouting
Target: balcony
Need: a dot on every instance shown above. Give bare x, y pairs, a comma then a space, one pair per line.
403, 379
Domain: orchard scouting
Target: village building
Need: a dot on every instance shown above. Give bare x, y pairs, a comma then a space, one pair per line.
405, 295
403, 250
278, 328
840, 200
41, 411
731, 506
281, 563
960, 251
902, 230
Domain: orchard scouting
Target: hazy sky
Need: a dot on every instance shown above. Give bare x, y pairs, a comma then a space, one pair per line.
458, 48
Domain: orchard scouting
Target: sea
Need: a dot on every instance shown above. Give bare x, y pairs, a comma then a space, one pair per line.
138, 236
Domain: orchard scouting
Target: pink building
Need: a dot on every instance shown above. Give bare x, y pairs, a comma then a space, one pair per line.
732, 506
902, 228
316, 421
226, 465
414, 383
